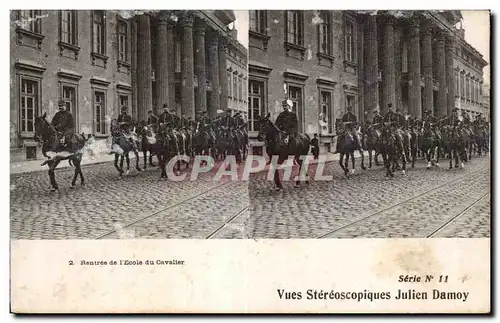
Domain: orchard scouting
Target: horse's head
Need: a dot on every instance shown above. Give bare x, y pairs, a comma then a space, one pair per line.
43, 129
266, 127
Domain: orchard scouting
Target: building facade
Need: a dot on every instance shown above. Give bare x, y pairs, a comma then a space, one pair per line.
237, 75
99, 61
325, 61
469, 83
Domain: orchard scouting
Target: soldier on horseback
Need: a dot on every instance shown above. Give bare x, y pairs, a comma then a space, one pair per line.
165, 116
377, 118
349, 120
428, 118
152, 118
125, 120
63, 123
287, 121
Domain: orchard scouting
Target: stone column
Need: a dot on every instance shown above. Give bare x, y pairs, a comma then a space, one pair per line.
223, 73
144, 86
414, 90
187, 67
371, 94
450, 77
133, 72
440, 66
398, 65
213, 72
388, 72
427, 67
162, 73
199, 66
171, 63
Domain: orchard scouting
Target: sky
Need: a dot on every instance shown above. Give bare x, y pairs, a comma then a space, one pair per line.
477, 33
241, 25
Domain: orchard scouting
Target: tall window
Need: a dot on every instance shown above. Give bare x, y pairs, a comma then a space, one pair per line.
324, 33
258, 21
255, 103
235, 86
122, 41
30, 100
467, 89
349, 41
123, 100
69, 98
98, 32
100, 112
326, 110
294, 24
295, 95
68, 27
457, 84
229, 84
30, 20
351, 102
240, 88
462, 86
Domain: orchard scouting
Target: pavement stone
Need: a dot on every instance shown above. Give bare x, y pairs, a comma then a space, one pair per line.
194, 209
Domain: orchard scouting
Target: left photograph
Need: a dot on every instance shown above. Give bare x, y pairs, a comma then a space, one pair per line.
128, 123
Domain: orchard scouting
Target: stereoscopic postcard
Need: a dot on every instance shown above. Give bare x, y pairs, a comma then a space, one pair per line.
250, 161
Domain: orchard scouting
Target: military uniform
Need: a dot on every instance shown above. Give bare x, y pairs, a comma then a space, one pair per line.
152, 119
63, 122
377, 118
125, 121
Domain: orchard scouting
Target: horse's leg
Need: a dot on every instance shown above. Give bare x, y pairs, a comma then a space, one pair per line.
370, 158
144, 157
299, 161
137, 167
277, 180
118, 168
122, 157
52, 167
353, 161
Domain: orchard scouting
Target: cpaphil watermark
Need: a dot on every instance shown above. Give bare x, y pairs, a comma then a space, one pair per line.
289, 169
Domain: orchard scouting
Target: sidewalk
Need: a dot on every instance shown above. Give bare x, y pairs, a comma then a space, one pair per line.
35, 165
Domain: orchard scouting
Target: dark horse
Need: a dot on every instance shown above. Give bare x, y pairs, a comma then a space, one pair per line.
371, 142
147, 140
277, 144
122, 144
348, 145
51, 143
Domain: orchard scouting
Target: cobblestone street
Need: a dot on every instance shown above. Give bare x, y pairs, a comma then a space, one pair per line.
424, 203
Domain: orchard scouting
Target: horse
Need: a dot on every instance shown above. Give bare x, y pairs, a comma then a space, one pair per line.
203, 142
371, 142
50, 140
348, 145
431, 143
388, 150
122, 144
414, 130
147, 140
283, 147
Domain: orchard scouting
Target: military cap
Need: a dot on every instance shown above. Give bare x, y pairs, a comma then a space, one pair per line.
61, 103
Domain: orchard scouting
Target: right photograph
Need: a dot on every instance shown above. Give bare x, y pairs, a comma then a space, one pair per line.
373, 124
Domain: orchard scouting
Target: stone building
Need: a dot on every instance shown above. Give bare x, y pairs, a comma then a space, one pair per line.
237, 74
325, 61
98, 61
469, 83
